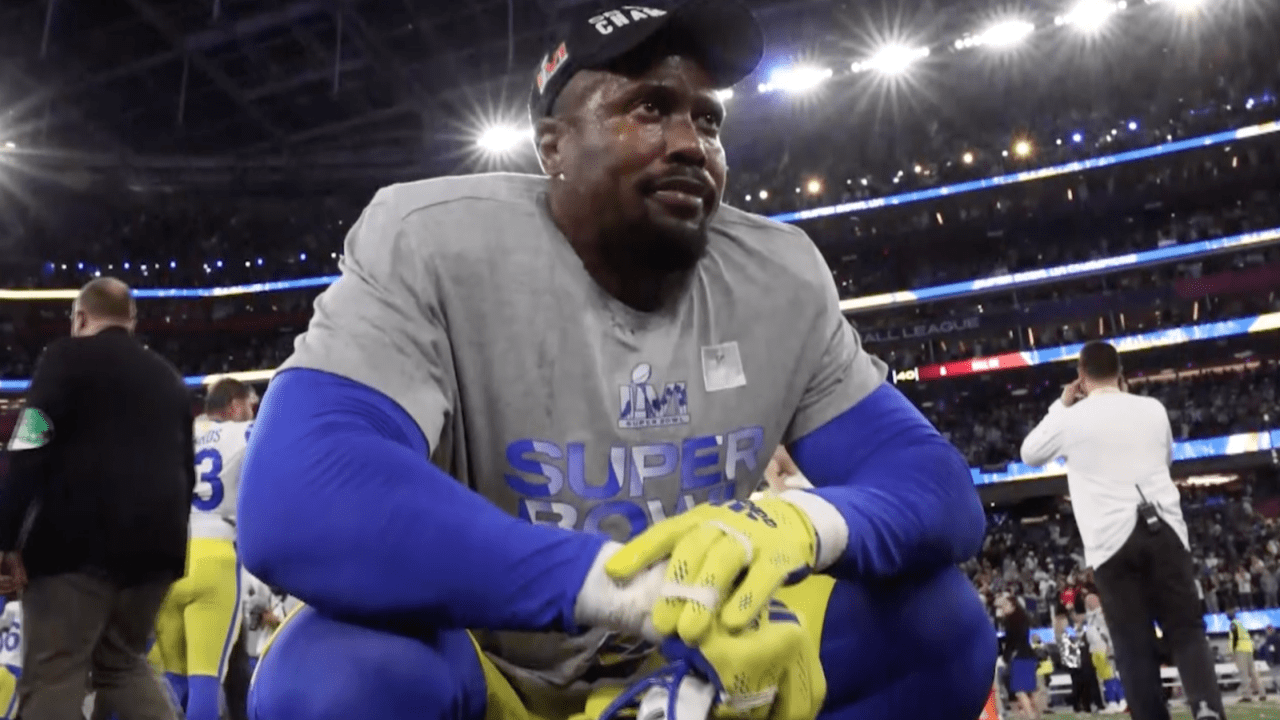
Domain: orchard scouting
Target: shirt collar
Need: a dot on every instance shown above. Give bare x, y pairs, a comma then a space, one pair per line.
1098, 391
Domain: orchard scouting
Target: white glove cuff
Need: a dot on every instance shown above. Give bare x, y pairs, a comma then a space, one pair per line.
828, 524
625, 607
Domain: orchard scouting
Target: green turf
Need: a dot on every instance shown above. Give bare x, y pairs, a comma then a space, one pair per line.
1248, 711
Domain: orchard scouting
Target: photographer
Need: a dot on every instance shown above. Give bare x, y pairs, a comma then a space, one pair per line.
1118, 449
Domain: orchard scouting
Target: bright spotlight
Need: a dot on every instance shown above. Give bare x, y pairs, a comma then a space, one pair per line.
967, 158
813, 186
892, 59
10, 145
764, 194
1077, 137
1022, 148
1133, 125
724, 95
796, 79
1090, 15
1004, 34
503, 138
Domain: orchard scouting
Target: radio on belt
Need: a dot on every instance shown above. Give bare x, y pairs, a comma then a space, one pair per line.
1148, 513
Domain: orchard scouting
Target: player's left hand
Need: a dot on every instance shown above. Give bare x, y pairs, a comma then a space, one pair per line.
710, 547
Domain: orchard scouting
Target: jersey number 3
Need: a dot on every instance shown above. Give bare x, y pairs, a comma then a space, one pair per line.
212, 476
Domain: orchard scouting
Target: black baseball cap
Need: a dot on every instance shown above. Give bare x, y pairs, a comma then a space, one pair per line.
723, 33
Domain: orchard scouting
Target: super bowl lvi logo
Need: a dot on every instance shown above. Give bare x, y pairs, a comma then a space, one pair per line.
642, 406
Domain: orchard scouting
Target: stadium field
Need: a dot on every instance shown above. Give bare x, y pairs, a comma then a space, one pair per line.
1251, 711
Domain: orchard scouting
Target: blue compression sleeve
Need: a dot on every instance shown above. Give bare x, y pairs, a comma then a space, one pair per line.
904, 491
340, 506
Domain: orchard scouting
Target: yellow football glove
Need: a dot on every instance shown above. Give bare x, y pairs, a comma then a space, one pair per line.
769, 671
710, 547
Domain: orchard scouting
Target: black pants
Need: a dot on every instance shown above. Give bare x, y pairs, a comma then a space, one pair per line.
1151, 579
1084, 688
236, 684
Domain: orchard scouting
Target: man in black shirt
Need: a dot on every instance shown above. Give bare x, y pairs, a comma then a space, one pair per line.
95, 512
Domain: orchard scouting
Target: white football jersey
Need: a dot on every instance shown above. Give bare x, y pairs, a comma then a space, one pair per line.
11, 637
220, 447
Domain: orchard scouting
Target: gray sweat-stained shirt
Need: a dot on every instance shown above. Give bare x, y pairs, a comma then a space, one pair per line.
461, 301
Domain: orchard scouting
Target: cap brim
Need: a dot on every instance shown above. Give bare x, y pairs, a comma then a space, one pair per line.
727, 35
723, 33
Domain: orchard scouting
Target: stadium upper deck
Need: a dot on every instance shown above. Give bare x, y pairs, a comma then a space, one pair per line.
959, 116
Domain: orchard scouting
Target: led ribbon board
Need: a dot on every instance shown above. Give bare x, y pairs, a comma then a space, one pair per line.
1061, 272
1028, 175
1063, 353
1222, 446
900, 297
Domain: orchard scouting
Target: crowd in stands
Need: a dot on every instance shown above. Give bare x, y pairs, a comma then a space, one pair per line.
1109, 135
199, 244
1210, 404
1041, 561
1042, 239
1068, 328
1175, 199
1140, 102
183, 240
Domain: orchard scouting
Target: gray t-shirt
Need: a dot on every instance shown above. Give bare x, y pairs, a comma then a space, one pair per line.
461, 300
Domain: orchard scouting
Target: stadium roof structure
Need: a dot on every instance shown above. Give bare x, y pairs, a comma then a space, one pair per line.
338, 87
254, 78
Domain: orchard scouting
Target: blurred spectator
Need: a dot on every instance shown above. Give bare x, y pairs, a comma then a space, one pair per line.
1018, 655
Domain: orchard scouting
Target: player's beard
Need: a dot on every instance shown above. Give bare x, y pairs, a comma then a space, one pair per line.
660, 249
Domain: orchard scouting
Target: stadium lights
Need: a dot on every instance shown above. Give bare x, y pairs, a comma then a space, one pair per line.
1001, 35
813, 186
764, 194
891, 59
1077, 137
724, 95
10, 145
967, 158
503, 138
1022, 148
1090, 15
1209, 480
1181, 6
799, 78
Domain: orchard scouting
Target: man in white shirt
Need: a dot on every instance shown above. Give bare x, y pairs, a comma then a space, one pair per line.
1118, 449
